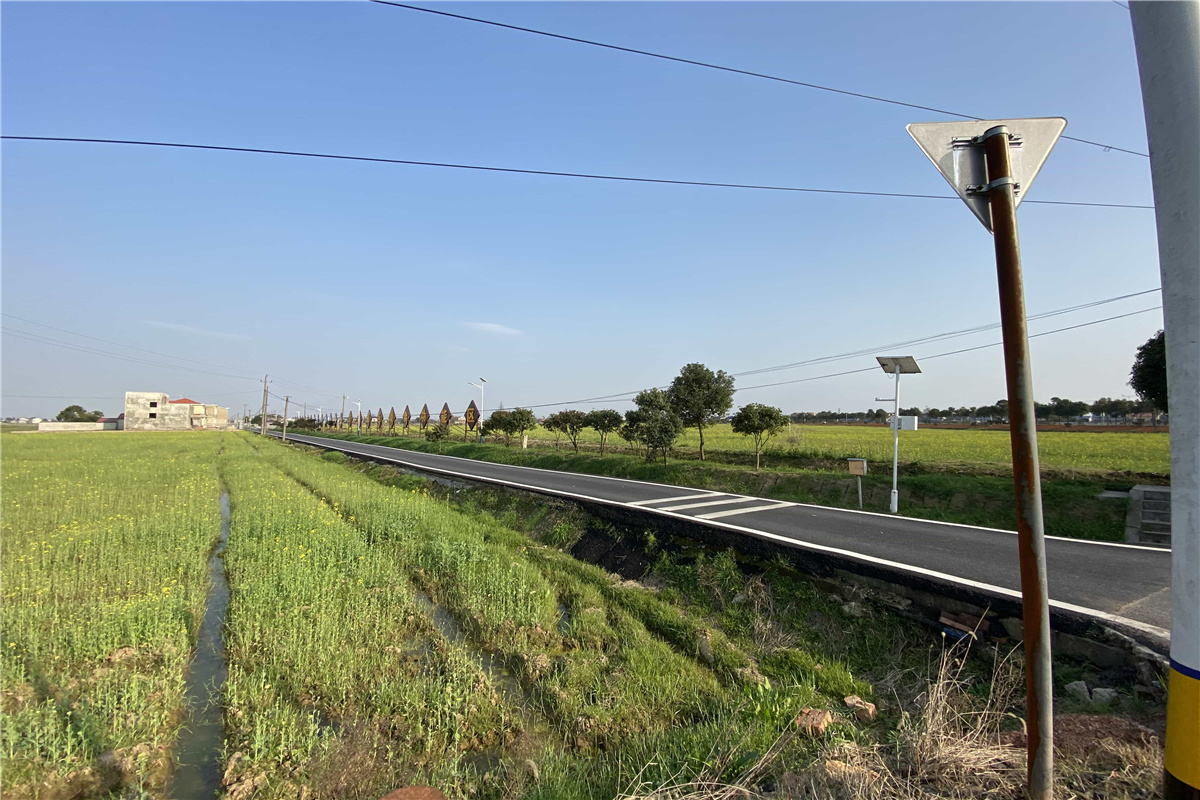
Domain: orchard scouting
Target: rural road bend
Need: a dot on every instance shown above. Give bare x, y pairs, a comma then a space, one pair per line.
1095, 579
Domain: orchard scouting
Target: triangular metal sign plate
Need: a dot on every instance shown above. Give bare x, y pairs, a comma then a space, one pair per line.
961, 162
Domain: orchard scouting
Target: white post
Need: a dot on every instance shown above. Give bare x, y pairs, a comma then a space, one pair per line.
895, 506
1166, 37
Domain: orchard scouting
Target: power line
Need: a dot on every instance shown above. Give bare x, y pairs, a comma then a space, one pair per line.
142, 350
551, 173
950, 353
118, 344
938, 336
34, 337
749, 73
628, 395
105, 396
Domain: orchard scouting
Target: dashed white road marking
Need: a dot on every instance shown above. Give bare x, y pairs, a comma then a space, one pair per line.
673, 499
731, 512
726, 501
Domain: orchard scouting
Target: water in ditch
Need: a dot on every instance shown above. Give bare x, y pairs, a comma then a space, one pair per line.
197, 768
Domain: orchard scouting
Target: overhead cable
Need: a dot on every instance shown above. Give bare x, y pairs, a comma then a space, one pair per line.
551, 173
629, 395
248, 376
950, 353
708, 65
938, 336
34, 337
118, 344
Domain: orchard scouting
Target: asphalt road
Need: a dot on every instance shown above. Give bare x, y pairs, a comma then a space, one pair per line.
1124, 584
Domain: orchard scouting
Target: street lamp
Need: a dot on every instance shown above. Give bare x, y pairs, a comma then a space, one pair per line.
896, 365
479, 386
358, 408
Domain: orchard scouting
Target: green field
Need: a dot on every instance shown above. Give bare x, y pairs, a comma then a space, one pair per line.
1058, 450
378, 634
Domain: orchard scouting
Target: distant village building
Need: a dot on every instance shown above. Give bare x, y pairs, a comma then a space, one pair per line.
102, 424
156, 411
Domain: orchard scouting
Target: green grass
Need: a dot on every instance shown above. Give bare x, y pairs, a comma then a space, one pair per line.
104, 549
1084, 451
1070, 506
380, 634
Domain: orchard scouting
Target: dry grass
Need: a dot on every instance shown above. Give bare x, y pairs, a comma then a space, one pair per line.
950, 745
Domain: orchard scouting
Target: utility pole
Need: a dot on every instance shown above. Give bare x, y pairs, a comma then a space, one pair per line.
264, 408
342, 416
286, 398
1166, 37
305, 414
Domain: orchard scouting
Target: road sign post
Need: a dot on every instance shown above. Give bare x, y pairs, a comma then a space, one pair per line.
470, 419
977, 159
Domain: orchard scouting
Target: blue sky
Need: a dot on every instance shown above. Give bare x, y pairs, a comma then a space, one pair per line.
398, 284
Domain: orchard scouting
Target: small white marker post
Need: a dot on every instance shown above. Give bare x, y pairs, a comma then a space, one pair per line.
858, 468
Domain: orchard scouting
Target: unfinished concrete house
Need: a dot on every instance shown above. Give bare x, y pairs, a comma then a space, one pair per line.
155, 411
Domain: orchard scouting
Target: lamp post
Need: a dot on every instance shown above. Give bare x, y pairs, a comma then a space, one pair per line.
896, 365
358, 415
479, 386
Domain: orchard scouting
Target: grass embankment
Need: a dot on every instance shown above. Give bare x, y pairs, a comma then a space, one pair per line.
788, 645
611, 673
104, 545
1070, 506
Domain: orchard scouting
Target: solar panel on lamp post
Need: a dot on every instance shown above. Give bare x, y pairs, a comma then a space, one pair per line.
479, 386
896, 365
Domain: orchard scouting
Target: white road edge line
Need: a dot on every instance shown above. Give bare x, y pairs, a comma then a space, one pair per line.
918, 520
673, 499
731, 512
710, 503
987, 587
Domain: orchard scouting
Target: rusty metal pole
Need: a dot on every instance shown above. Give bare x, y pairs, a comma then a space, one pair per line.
1022, 424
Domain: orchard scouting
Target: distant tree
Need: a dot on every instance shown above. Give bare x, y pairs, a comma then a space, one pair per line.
933, 413
78, 414
499, 423
1148, 376
256, 419
570, 422
910, 412
761, 422
698, 396
603, 421
1110, 407
555, 425
521, 421
1061, 407
653, 424
437, 431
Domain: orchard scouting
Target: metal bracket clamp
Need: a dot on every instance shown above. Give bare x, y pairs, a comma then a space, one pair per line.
1014, 140
986, 188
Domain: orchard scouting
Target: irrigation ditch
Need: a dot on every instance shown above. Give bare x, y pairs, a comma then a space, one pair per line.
197, 763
